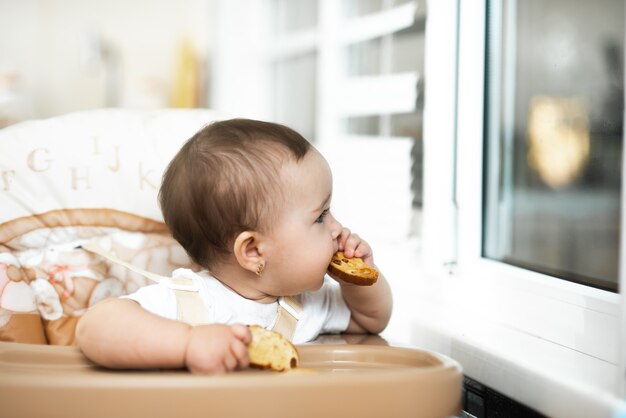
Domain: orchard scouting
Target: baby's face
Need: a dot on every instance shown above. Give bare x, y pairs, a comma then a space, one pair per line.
304, 238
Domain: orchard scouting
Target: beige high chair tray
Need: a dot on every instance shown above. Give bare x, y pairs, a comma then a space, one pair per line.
347, 380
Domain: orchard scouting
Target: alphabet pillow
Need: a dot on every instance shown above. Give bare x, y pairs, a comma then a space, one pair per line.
84, 176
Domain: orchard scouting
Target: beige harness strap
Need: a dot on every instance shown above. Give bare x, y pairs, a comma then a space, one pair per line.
95, 248
288, 315
190, 308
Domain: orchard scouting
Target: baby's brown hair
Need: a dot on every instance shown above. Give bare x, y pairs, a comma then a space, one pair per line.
225, 180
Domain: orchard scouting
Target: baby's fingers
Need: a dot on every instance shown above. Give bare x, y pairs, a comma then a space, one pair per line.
240, 353
364, 251
351, 244
342, 238
242, 332
348, 242
229, 361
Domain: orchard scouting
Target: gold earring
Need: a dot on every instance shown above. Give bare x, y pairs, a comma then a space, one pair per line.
259, 269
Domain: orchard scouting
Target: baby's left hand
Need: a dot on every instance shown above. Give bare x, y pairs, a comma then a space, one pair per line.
353, 246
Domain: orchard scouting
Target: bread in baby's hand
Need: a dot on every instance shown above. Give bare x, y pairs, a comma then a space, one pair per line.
271, 350
352, 270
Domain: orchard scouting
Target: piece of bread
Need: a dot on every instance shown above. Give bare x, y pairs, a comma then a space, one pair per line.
352, 270
271, 350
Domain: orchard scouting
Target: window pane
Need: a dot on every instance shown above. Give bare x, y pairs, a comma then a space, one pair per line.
362, 125
554, 106
398, 125
373, 57
355, 8
395, 125
403, 47
363, 58
295, 107
399, 52
294, 15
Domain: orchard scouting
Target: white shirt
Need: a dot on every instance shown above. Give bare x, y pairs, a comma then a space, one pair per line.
323, 311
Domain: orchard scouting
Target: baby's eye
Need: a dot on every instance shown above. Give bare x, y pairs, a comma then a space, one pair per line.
320, 218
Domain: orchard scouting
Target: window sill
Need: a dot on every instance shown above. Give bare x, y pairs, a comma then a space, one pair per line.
549, 377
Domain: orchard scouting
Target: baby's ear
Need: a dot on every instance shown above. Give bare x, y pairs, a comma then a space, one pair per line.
247, 250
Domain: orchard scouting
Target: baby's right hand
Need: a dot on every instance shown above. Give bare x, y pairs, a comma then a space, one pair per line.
217, 348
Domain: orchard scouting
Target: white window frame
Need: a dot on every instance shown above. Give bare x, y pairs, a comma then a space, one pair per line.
583, 325
242, 67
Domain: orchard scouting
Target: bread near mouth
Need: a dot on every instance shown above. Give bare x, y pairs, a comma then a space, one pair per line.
352, 270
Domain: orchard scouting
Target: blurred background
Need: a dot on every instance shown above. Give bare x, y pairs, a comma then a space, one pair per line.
346, 74
350, 76
70, 55
64, 56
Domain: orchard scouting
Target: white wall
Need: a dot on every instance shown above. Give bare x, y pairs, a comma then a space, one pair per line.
45, 43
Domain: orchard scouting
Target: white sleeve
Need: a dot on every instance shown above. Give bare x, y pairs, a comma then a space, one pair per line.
156, 298
326, 309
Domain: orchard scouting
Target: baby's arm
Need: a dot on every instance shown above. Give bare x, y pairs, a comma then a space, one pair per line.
119, 333
370, 305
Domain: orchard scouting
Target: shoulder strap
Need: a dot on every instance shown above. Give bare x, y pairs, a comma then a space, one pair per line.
96, 249
190, 308
288, 316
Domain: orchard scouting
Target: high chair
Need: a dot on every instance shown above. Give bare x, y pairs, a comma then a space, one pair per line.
93, 177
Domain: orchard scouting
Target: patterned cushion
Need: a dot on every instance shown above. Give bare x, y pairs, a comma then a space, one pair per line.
84, 176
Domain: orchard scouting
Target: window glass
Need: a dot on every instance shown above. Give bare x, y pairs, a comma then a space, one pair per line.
374, 56
364, 58
362, 125
400, 125
295, 107
403, 47
294, 15
356, 8
394, 53
554, 137
395, 125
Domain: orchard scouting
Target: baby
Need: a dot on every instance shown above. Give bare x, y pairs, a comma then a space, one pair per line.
250, 203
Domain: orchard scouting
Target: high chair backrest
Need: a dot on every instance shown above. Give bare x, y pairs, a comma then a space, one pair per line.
84, 176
